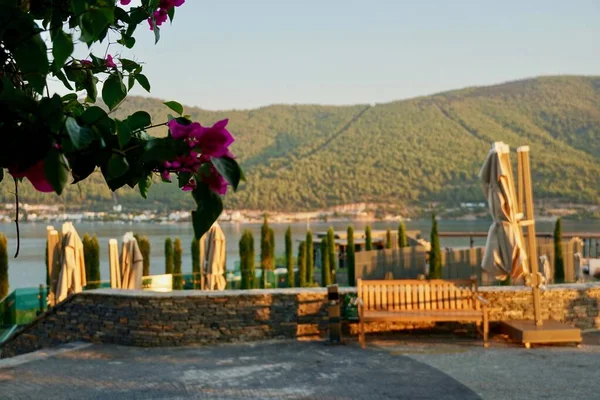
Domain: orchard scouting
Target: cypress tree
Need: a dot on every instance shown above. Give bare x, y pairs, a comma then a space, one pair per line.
168, 256
95, 267
86, 241
272, 248
247, 260
559, 262
91, 255
196, 263
402, 239
289, 257
325, 269
350, 257
368, 239
144, 245
310, 259
177, 274
388, 239
302, 263
265, 251
331, 254
435, 255
3, 266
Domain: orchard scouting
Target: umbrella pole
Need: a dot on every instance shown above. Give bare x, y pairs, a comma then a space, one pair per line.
525, 194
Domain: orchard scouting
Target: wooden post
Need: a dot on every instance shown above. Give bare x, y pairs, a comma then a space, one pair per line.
334, 312
53, 264
528, 222
114, 264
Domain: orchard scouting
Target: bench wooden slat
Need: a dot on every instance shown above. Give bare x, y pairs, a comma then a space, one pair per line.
417, 300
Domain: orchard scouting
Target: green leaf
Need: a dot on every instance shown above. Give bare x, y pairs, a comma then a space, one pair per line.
62, 47
175, 106
183, 178
93, 115
1, 174
56, 168
160, 150
171, 13
61, 76
89, 83
128, 42
229, 169
139, 120
128, 65
51, 113
156, 30
130, 82
80, 136
32, 60
117, 166
94, 22
113, 91
122, 15
209, 207
142, 80
69, 97
144, 184
123, 133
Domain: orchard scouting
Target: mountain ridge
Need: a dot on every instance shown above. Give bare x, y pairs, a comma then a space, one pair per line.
404, 152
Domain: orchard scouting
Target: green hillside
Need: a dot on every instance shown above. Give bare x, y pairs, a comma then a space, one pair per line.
404, 152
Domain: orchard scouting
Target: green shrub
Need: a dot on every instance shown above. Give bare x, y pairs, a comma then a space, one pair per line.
168, 256
177, 273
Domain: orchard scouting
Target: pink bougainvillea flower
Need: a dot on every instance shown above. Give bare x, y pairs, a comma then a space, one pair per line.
125, 2
215, 181
85, 62
109, 62
166, 175
191, 185
168, 4
160, 16
36, 176
181, 131
214, 141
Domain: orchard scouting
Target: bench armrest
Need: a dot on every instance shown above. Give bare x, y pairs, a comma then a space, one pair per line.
481, 300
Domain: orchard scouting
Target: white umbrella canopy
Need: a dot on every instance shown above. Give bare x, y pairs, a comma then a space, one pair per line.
504, 251
72, 277
215, 258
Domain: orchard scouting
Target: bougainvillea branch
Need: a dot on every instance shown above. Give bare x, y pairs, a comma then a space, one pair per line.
54, 140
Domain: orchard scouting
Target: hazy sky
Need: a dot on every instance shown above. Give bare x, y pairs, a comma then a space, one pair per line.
225, 54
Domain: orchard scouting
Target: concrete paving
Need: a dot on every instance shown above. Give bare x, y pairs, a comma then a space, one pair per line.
401, 366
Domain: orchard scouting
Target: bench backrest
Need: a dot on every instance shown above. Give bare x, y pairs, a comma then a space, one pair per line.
435, 294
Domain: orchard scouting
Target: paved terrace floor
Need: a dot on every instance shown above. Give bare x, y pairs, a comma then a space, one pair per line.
398, 367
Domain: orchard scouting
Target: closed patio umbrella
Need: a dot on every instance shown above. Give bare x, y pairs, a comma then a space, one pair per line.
131, 263
72, 277
215, 258
504, 251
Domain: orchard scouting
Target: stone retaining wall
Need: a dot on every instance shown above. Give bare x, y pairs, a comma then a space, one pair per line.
142, 318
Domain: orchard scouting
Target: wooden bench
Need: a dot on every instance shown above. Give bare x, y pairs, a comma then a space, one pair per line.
421, 301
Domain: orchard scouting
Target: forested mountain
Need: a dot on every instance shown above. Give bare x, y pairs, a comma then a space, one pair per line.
301, 157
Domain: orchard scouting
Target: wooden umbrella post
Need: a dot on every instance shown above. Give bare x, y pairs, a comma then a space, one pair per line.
528, 223
527, 331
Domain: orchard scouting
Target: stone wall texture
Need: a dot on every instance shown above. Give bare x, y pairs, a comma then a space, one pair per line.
150, 319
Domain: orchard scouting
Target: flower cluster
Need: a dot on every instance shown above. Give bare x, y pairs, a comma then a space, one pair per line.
162, 13
204, 143
108, 63
36, 176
